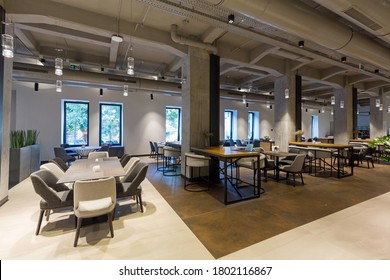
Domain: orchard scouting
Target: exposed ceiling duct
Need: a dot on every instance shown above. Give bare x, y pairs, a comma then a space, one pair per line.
89, 79
185, 41
296, 18
372, 18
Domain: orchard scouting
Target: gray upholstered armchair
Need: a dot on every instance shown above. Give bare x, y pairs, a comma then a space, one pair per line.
54, 196
131, 184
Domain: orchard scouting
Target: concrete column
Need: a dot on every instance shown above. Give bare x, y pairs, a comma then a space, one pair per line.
343, 117
6, 65
285, 111
195, 100
378, 118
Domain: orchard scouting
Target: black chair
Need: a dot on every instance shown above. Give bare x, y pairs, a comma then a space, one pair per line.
239, 143
104, 148
365, 155
152, 150
70, 153
256, 143
61, 153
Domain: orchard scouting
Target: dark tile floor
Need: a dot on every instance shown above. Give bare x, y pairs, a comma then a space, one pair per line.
224, 229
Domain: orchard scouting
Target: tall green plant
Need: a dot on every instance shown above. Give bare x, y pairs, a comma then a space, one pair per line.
17, 139
31, 137
22, 138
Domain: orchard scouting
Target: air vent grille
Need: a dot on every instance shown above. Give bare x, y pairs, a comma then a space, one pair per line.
355, 14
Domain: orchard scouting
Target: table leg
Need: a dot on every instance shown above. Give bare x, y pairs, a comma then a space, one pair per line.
225, 178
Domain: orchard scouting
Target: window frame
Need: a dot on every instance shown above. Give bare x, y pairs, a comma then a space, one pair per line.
252, 125
231, 112
179, 121
120, 122
65, 102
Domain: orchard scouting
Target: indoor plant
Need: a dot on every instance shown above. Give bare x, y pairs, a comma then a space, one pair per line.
24, 154
385, 141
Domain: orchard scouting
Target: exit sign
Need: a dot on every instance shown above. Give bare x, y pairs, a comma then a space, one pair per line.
74, 67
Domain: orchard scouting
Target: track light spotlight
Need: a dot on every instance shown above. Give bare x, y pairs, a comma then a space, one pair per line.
376, 71
101, 91
247, 105
151, 96
344, 59
231, 18
36, 86
301, 44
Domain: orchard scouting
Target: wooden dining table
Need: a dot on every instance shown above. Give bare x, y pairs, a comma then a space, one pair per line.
90, 169
337, 147
228, 155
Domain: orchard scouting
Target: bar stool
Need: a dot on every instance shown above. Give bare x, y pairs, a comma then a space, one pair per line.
192, 161
171, 160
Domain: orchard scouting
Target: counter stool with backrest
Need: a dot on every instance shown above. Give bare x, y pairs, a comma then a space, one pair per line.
194, 161
171, 161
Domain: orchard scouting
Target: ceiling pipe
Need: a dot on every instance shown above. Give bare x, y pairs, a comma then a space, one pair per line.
185, 41
307, 24
94, 80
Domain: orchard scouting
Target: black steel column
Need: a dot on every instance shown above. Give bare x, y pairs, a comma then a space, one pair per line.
298, 102
2, 18
214, 113
214, 99
354, 111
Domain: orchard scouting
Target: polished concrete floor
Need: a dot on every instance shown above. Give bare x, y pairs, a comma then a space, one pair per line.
327, 218
225, 229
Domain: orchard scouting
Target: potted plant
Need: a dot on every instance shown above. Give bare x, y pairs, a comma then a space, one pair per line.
298, 135
24, 155
385, 142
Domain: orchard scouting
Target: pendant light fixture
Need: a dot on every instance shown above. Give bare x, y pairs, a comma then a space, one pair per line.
59, 65
130, 65
287, 93
59, 86
333, 100
7, 42
125, 90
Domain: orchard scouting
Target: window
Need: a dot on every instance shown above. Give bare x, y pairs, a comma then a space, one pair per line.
228, 124
172, 124
251, 125
110, 124
314, 126
76, 123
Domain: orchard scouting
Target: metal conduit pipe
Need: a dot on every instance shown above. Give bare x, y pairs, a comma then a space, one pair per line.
305, 23
185, 41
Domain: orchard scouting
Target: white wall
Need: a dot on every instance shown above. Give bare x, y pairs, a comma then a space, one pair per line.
265, 122
143, 119
325, 121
